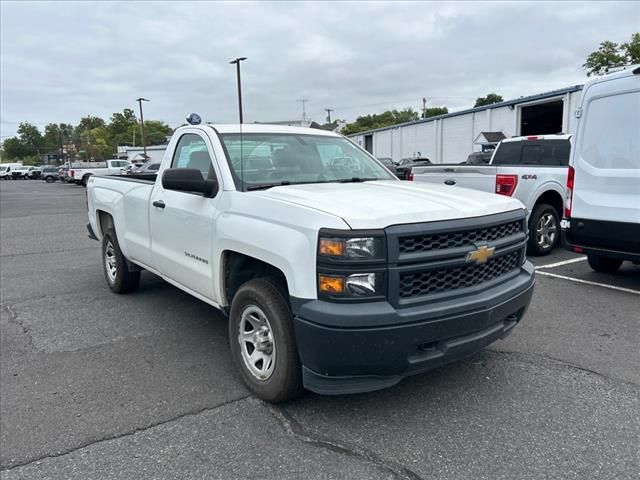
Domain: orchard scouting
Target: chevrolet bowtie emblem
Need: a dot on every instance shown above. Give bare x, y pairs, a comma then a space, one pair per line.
481, 255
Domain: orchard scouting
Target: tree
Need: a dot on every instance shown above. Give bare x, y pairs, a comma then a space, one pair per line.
607, 56
89, 123
13, 148
31, 138
379, 120
488, 100
96, 144
155, 132
434, 111
631, 49
120, 128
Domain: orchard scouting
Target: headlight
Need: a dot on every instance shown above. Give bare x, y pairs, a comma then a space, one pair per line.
351, 248
354, 285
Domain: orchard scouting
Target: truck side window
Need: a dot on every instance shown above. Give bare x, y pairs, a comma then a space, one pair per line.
508, 154
191, 152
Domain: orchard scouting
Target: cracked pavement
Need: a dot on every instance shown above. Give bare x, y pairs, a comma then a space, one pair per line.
95, 385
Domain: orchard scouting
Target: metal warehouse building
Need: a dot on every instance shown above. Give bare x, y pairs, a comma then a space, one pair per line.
451, 138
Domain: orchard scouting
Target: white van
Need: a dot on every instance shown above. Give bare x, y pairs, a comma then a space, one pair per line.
6, 169
602, 208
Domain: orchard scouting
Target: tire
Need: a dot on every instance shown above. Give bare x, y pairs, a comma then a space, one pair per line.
544, 230
604, 264
118, 276
84, 180
49, 179
262, 307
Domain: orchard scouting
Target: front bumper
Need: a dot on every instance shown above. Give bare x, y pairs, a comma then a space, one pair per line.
339, 359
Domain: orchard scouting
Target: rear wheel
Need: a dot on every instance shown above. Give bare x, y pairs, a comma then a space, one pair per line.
604, 264
544, 228
85, 179
116, 271
263, 342
49, 179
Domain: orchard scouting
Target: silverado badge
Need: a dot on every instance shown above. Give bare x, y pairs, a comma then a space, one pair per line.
481, 255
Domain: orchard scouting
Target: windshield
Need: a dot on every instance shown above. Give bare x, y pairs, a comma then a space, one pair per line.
270, 159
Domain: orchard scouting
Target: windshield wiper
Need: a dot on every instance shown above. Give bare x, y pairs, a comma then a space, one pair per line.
265, 186
355, 180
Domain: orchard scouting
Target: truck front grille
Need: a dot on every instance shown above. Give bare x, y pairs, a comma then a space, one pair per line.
439, 241
418, 283
428, 261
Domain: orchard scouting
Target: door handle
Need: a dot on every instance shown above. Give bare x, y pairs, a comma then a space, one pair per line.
449, 182
159, 204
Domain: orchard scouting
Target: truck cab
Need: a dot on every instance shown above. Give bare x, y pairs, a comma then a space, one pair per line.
334, 275
602, 210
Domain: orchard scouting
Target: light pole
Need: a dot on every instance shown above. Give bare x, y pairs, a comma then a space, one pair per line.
144, 142
237, 63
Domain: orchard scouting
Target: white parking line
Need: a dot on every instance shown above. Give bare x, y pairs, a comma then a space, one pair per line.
587, 282
565, 262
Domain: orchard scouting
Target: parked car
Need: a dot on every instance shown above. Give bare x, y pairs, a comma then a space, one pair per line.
6, 169
388, 162
602, 209
34, 173
111, 167
20, 172
478, 158
50, 174
127, 169
405, 166
532, 169
328, 274
63, 174
149, 168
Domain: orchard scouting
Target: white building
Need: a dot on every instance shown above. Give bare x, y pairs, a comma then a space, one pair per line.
451, 138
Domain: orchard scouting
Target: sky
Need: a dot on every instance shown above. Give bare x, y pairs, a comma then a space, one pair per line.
64, 60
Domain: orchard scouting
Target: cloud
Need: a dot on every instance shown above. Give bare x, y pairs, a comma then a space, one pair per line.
64, 60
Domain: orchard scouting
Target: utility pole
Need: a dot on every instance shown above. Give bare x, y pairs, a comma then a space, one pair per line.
61, 159
304, 112
144, 142
328, 110
237, 64
424, 107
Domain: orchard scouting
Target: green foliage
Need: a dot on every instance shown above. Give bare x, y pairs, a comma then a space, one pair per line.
631, 49
120, 128
379, 120
434, 112
610, 55
13, 149
56, 134
95, 143
156, 132
488, 100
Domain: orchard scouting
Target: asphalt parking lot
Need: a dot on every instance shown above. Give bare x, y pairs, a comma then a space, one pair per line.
95, 385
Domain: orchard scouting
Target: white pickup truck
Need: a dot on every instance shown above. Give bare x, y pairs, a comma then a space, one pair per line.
111, 167
335, 276
532, 169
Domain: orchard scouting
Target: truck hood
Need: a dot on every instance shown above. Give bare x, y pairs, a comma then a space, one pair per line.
380, 204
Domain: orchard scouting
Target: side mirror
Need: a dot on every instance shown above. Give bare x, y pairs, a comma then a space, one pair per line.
189, 180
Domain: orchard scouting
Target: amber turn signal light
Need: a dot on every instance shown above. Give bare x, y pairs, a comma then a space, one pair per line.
330, 247
331, 285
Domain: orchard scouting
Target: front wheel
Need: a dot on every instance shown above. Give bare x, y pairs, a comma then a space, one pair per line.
263, 343
116, 272
604, 264
85, 179
49, 179
544, 226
